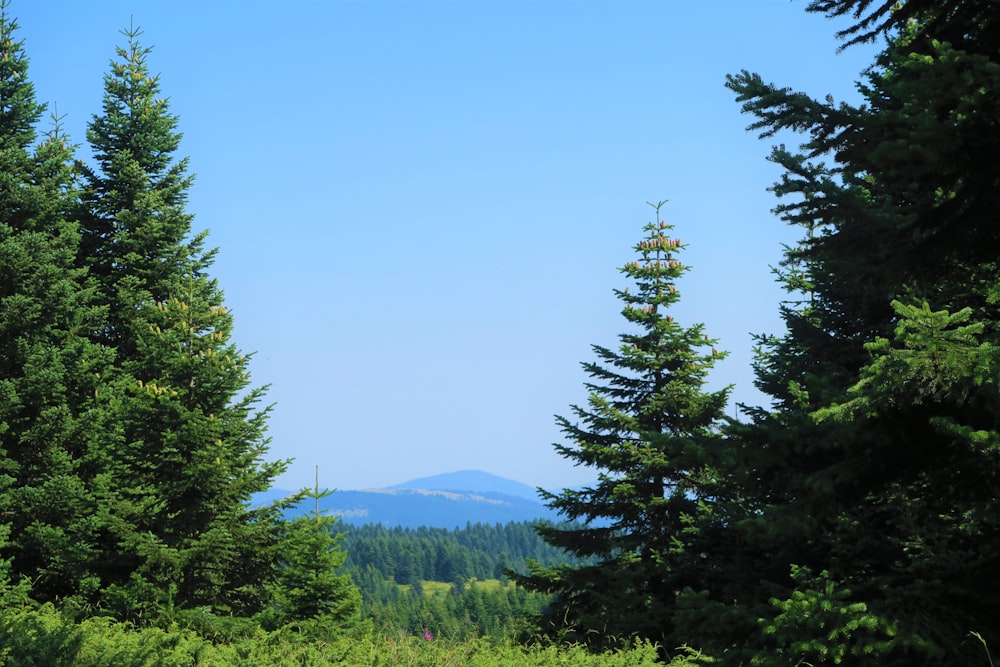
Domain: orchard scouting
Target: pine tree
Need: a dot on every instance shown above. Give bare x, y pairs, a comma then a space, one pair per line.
310, 590
969, 25
47, 364
868, 512
651, 431
183, 437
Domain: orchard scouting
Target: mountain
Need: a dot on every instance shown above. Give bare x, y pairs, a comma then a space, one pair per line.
434, 508
475, 481
449, 501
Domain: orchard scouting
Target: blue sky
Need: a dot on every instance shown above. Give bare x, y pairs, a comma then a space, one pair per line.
421, 206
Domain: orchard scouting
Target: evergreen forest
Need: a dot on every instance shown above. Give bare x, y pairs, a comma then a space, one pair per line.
452, 583
852, 520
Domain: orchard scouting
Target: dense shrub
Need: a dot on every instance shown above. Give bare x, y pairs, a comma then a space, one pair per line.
45, 638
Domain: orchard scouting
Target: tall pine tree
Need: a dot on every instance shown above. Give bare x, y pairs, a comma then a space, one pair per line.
869, 516
650, 430
47, 363
184, 436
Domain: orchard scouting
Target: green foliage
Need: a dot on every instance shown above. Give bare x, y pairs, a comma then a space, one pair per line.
44, 637
819, 624
933, 358
458, 612
652, 433
961, 22
123, 397
47, 365
875, 465
451, 582
182, 438
308, 588
483, 551
12, 592
129, 439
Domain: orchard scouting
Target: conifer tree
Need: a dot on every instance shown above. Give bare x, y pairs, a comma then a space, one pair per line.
969, 25
869, 511
47, 364
184, 436
310, 590
650, 431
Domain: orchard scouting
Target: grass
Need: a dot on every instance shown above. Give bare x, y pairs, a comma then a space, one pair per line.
440, 588
989, 658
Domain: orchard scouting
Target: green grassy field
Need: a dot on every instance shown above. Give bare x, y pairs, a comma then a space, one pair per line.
441, 588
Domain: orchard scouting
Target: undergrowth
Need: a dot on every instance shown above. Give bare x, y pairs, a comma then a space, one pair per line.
45, 638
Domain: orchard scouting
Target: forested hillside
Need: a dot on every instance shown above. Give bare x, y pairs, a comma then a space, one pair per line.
482, 551
449, 581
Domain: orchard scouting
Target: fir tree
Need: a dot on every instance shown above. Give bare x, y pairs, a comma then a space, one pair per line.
969, 25
868, 512
309, 589
47, 364
650, 430
183, 437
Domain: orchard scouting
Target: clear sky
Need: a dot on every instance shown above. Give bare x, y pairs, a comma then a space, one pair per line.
421, 206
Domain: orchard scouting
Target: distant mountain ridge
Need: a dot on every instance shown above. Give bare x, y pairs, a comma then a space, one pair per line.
475, 481
450, 500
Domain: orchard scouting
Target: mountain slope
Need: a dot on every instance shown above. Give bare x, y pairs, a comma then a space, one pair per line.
451, 500
412, 508
475, 481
